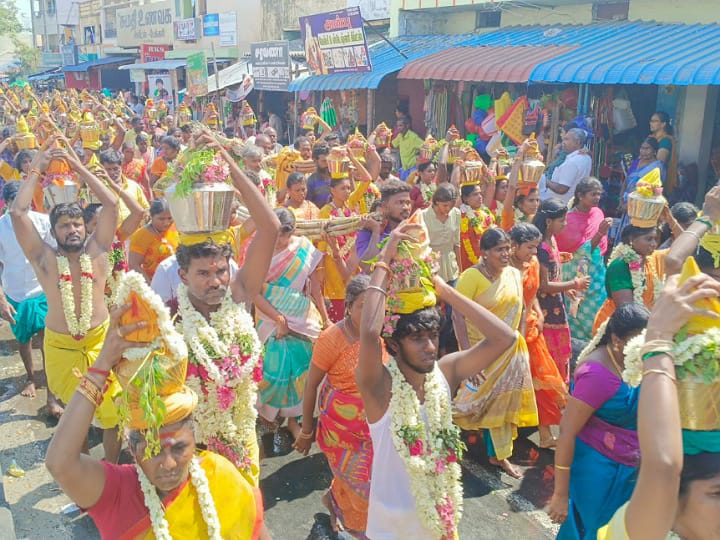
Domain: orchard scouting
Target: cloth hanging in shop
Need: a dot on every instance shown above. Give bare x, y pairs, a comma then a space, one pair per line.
327, 112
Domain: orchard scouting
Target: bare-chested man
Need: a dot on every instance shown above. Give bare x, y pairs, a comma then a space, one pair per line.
73, 278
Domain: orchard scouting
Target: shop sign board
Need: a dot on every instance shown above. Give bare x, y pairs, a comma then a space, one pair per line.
228, 29
153, 53
148, 24
335, 42
69, 55
211, 25
271, 65
187, 29
197, 74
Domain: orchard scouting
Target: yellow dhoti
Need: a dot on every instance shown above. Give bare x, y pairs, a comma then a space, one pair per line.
63, 353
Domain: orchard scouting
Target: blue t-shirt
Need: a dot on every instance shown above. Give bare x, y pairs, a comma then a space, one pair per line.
318, 190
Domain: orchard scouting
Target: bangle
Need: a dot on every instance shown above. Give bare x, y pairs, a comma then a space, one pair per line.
656, 346
705, 221
693, 233
385, 266
91, 391
103, 372
562, 468
35, 171
304, 435
376, 288
660, 372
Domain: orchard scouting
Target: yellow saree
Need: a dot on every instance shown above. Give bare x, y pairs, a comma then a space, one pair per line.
239, 506
505, 400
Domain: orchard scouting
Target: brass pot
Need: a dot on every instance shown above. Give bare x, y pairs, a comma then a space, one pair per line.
532, 169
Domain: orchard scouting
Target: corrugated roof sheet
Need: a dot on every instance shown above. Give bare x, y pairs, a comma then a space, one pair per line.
483, 63
84, 66
384, 60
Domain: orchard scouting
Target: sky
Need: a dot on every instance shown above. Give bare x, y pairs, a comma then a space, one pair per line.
24, 6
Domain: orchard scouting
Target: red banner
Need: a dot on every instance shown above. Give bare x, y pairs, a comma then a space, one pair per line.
153, 53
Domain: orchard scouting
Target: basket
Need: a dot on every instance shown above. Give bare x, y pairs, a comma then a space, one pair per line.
338, 163
645, 211
474, 172
90, 134
305, 166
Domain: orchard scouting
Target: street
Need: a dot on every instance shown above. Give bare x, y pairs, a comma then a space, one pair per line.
496, 506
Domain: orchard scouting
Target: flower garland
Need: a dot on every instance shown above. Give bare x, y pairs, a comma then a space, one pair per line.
160, 525
225, 368
429, 450
345, 242
369, 197
116, 268
77, 326
427, 191
479, 223
696, 356
637, 271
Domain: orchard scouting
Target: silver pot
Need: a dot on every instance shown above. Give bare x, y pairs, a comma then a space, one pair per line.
54, 194
206, 209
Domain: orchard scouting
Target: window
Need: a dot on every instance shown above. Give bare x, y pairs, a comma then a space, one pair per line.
487, 19
51, 7
611, 11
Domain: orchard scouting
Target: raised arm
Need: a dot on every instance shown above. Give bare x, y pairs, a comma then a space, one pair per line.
137, 213
81, 477
107, 222
251, 276
373, 162
686, 243
499, 337
28, 237
651, 512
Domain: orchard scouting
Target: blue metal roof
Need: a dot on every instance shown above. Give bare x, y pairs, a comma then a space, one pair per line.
84, 66
628, 52
384, 60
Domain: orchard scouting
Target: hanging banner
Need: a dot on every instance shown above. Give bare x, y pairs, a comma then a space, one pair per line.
228, 29
160, 87
335, 42
148, 24
197, 74
271, 65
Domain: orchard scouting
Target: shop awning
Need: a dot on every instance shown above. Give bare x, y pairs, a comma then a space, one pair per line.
482, 64
384, 59
100, 62
165, 65
47, 74
640, 53
229, 76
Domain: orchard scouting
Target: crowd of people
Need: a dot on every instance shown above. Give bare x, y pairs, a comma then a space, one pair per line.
392, 320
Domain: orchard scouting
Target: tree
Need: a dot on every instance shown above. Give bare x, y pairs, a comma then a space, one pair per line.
27, 55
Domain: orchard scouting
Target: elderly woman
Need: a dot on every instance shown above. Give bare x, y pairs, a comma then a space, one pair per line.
291, 313
252, 159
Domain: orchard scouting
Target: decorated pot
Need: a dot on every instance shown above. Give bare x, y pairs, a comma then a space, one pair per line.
699, 404
532, 169
207, 208
54, 194
645, 211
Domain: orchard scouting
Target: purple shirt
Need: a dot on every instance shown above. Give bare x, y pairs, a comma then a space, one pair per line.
318, 190
362, 241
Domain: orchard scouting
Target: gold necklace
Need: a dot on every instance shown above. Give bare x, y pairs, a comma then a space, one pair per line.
490, 275
614, 361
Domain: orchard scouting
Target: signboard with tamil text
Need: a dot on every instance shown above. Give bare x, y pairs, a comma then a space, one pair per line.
271, 65
187, 29
197, 74
153, 53
335, 42
148, 24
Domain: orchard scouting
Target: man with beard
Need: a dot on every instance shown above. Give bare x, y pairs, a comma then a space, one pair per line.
219, 331
396, 206
73, 278
408, 402
111, 161
318, 183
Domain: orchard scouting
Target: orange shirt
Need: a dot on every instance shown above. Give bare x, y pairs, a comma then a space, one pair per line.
158, 167
155, 249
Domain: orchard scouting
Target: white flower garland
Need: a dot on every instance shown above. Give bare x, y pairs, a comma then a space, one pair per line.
431, 461
77, 326
229, 352
160, 525
687, 351
636, 266
169, 336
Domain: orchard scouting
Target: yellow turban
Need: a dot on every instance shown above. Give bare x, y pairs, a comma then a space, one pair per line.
219, 237
178, 406
415, 300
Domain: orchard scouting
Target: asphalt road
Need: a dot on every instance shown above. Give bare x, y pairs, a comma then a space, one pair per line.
496, 506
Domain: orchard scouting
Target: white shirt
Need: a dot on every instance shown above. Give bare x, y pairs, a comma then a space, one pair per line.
575, 167
18, 276
392, 511
166, 280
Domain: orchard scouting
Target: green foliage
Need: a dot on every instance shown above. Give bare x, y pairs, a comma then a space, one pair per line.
194, 168
9, 19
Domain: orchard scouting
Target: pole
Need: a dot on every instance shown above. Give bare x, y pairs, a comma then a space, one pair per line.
386, 40
217, 87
